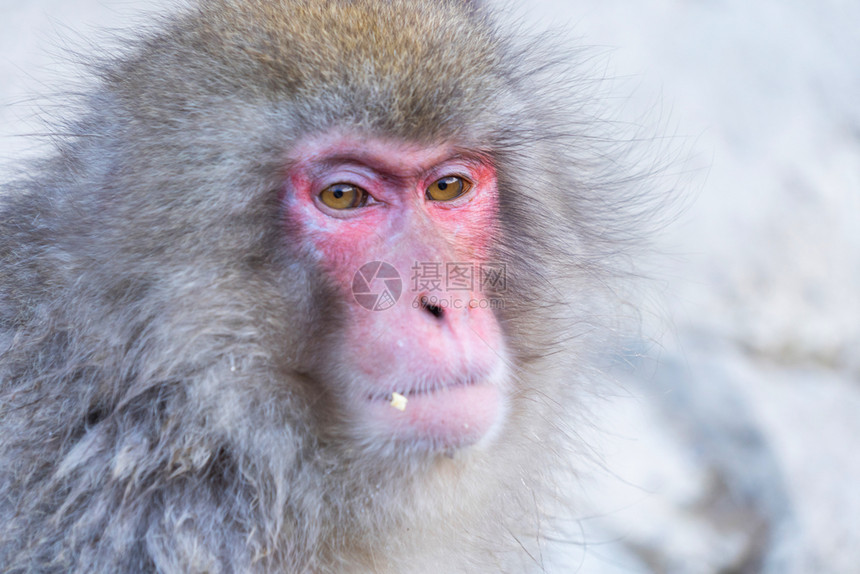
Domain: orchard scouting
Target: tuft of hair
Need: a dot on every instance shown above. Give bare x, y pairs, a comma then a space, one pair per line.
154, 324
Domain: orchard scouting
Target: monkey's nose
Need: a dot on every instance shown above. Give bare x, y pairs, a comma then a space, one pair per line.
431, 308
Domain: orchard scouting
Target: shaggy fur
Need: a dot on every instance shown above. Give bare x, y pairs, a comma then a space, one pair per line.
157, 411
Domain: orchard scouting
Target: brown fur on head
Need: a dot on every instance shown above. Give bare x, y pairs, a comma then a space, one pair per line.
415, 81
426, 70
159, 333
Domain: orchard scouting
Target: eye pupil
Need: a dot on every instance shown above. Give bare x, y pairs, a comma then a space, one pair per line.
337, 193
442, 185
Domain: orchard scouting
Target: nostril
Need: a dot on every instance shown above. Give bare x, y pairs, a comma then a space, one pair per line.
434, 310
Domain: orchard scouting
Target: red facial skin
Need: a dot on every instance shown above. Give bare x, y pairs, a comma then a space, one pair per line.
449, 366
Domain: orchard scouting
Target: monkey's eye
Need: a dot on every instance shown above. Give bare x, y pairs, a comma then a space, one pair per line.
448, 188
343, 196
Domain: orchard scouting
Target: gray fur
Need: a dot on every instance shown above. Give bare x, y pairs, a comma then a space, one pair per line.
156, 326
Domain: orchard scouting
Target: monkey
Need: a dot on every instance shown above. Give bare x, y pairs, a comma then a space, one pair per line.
307, 286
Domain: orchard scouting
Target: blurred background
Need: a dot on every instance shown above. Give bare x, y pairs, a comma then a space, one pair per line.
730, 442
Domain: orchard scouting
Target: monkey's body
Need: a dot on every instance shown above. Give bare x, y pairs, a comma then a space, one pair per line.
183, 380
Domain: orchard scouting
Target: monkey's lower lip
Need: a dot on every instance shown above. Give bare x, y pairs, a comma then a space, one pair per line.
453, 416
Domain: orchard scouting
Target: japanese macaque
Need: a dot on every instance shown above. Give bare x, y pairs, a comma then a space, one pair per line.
308, 287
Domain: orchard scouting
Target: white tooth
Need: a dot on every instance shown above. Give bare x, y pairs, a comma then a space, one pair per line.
398, 401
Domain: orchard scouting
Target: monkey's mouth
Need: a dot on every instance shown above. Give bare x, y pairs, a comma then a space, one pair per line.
422, 389
440, 415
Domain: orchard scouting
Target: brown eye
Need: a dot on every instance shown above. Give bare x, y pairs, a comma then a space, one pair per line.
343, 196
448, 188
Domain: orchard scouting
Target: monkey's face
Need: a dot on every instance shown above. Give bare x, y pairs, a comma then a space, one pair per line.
403, 231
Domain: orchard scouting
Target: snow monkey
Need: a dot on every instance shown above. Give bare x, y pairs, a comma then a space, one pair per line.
307, 286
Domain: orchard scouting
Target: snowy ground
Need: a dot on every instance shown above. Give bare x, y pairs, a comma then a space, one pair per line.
731, 442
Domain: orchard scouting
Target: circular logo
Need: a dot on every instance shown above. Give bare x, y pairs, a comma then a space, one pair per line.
377, 286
